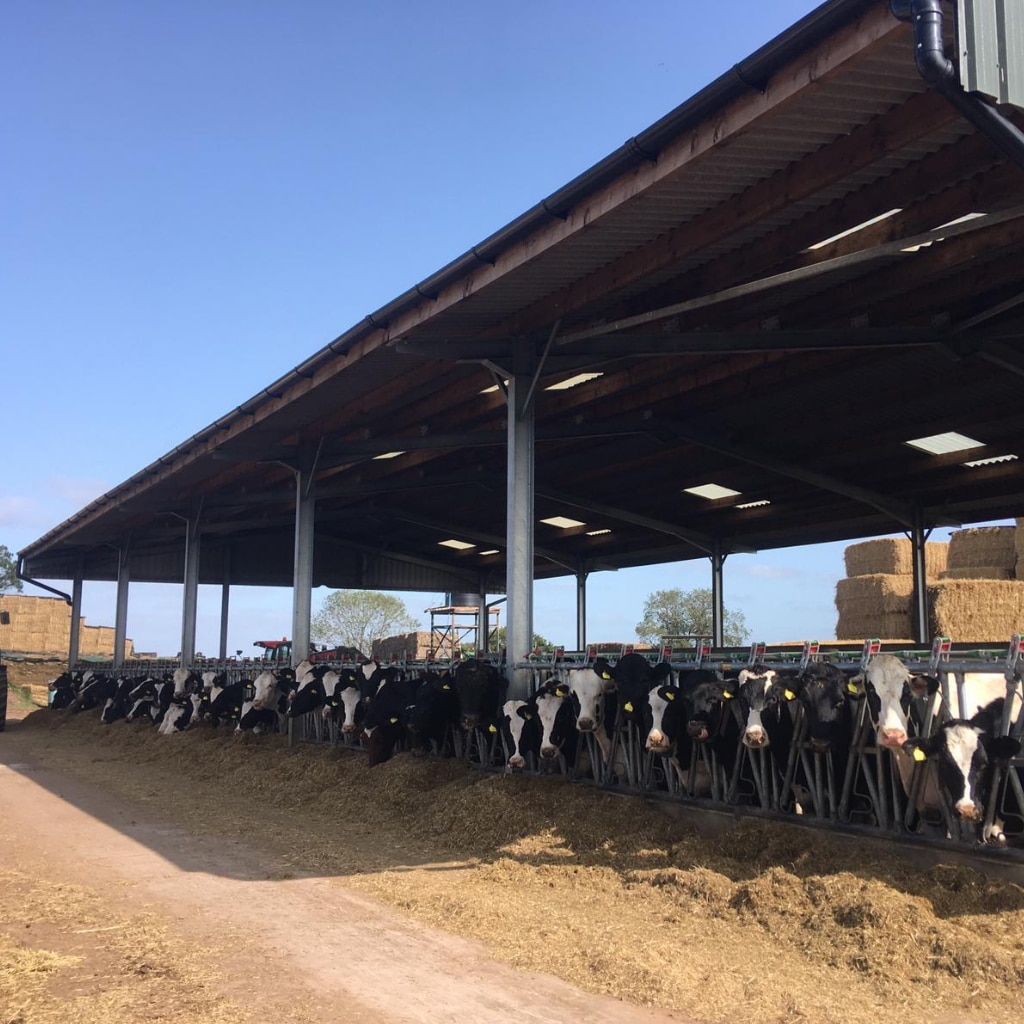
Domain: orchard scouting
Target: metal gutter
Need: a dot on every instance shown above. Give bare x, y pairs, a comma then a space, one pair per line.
42, 586
941, 73
749, 74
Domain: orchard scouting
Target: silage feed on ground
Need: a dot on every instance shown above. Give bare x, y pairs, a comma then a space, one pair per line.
607, 892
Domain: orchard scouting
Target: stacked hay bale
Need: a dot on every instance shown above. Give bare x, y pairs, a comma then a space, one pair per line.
876, 598
42, 625
980, 596
414, 646
39, 625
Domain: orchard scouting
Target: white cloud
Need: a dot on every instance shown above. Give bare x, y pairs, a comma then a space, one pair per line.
22, 512
76, 491
770, 572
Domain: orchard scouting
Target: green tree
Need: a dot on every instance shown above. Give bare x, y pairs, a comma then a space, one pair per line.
355, 618
498, 641
676, 612
8, 571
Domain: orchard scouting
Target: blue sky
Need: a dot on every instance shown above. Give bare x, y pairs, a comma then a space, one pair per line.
196, 196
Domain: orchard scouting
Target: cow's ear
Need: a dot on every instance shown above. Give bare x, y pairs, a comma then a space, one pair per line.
922, 685
661, 671
1001, 748
856, 686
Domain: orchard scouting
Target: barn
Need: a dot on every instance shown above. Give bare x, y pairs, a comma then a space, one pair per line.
786, 312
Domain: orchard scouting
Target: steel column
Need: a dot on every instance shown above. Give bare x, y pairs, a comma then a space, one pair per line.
302, 580
121, 612
717, 595
74, 641
519, 528
918, 538
190, 590
581, 609
225, 591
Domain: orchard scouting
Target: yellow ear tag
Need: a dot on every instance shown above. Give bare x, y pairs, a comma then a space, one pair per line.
789, 695
561, 692
852, 688
628, 706
445, 686
492, 728
669, 695
392, 720
605, 675
919, 754
727, 695
529, 718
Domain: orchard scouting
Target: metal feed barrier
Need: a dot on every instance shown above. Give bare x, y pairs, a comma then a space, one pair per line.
808, 786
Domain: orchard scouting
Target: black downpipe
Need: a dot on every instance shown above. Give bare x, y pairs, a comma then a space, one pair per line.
939, 71
42, 586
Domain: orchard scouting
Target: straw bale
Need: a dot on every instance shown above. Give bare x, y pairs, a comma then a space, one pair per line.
878, 605
978, 572
976, 610
892, 556
411, 646
1018, 536
983, 546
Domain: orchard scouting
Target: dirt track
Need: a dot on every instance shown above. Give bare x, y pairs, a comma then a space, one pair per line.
305, 946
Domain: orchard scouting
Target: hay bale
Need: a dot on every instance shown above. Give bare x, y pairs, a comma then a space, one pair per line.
979, 572
879, 605
1018, 535
893, 556
983, 546
976, 611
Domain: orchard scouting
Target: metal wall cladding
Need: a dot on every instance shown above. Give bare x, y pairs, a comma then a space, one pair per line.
990, 37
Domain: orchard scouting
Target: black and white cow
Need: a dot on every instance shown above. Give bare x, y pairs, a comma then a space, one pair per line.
225, 702
94, 693
434, 714
387, 714
310, 690
345, 703
479, 687
594, 697
63, 690
268, 707
116, 706
520, 729
150, 699
559, 737
186, 681
966, 752
760, 697
181, 714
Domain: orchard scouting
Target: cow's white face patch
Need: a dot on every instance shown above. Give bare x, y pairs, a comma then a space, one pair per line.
548, 706
264, 690
368, 669
961, 745
180, 679
588, 687
656, 738
888, 677
349, 701
516, 724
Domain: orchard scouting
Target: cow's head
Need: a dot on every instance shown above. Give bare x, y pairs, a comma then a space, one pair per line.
555, 713
890, 687
822, 691
705, 702
265, 691
757, 692
667, 713
587, 688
